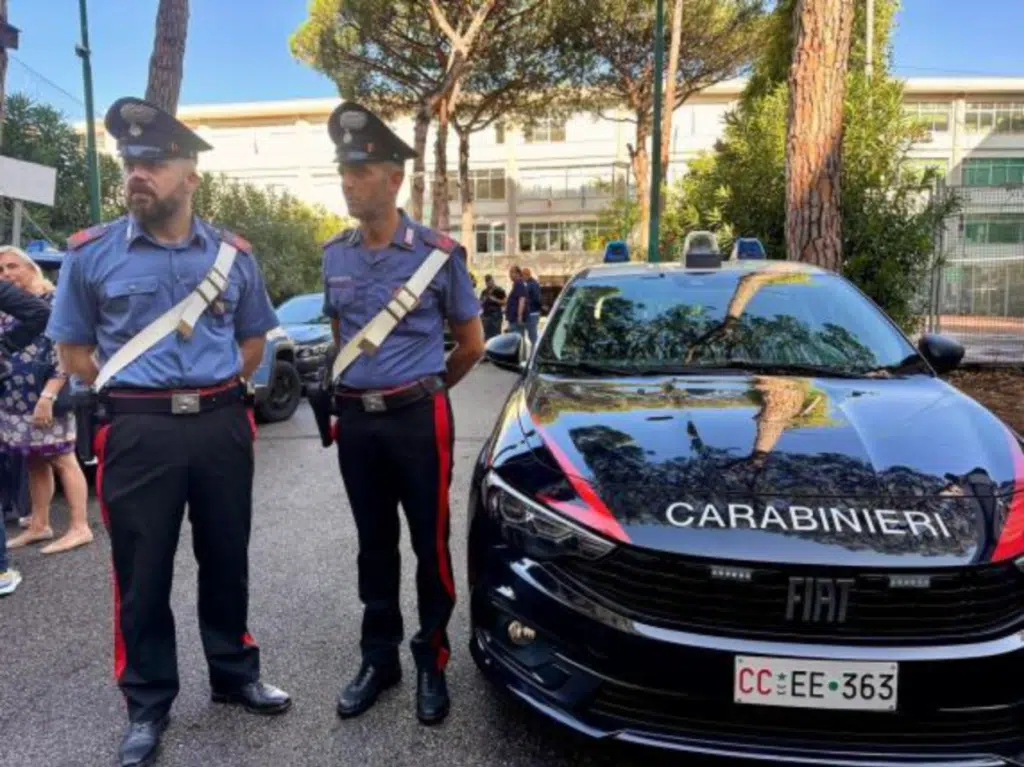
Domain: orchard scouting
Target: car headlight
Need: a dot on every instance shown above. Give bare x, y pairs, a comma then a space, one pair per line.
276, 334
314, 350
539, 531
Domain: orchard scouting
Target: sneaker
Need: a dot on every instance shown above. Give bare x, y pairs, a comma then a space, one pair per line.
9, 580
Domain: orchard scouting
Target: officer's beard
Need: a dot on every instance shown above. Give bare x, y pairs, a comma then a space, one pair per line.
152, 211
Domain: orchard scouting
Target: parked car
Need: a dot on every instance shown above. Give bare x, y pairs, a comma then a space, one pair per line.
303, 319
736, 512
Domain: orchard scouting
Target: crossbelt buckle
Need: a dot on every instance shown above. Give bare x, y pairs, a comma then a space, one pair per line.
373, 402
185, 403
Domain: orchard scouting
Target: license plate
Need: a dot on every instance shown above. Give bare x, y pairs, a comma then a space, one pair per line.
799, 683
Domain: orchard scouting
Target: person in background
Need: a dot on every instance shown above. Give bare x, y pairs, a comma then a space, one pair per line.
29, 427
29, 315
532, 304
492, 299
518, 302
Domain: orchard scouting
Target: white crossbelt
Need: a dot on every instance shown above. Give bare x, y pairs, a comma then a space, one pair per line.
182, 317
369, 339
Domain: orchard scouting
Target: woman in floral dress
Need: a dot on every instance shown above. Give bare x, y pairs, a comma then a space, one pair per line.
29, 427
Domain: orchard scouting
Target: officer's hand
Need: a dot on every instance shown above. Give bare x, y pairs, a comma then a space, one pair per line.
43, 413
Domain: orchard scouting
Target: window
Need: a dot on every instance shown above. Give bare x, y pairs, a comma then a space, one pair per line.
994, 228
570, 183
1007, 117
932, 115
499, 133
561, 236
487, 184
490, 238
545, 132
997, 171
676, 319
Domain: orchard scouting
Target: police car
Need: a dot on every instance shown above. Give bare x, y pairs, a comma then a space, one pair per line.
734, 511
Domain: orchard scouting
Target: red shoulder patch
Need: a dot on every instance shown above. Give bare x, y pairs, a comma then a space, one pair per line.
439, 240
238, 241
78, 239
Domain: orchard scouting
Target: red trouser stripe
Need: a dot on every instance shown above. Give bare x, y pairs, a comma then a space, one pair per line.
443, 435
100, 448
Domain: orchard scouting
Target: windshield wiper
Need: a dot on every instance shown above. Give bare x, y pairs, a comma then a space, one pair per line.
583, 366
781, 368
909, 364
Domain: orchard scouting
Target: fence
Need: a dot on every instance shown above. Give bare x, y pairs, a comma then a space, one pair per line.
976, 292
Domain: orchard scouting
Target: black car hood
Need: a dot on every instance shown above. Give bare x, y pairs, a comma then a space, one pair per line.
906, 472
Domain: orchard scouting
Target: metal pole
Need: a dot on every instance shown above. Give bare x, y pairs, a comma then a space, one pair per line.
869, 63
659, 76
90, 130
19, 208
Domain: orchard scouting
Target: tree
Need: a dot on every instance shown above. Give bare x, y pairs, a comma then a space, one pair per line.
402, 56
166, 63
285, 232
889, 215
41, 134
518, 79
814, 141
611, 43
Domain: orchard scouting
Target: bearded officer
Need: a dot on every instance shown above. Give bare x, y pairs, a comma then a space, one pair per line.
176, 429
394, 429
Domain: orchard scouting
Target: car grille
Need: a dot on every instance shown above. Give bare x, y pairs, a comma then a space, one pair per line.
680, 592
685, 716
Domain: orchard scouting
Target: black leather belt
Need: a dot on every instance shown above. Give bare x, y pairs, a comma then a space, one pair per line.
120, 401
384, 400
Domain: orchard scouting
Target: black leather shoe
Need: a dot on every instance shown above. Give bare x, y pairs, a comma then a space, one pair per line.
257, 698
140, 743
361, 693
431, 697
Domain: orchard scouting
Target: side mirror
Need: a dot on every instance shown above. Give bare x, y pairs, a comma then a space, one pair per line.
942, 353
508, 351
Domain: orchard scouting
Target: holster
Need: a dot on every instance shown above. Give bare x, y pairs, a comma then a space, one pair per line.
86, 407
321, 399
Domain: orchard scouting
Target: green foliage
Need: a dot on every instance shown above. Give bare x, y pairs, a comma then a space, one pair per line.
285, 232
39, 133
889, 213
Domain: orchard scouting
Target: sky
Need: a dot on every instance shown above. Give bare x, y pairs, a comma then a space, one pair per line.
237, 50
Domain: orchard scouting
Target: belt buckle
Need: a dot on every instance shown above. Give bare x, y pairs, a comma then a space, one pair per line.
373, 402
185, 402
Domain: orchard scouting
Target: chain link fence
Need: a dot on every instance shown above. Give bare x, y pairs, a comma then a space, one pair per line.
976, 292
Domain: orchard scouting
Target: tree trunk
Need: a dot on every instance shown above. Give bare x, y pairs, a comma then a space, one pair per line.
668, 108
817, 88
466, 197
165, 65
439, 214
419, 165
641, 172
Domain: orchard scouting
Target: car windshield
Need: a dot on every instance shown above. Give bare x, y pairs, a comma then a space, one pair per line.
749, 320
302, 310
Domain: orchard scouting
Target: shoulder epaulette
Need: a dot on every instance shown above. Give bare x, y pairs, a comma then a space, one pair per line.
438, 240
243, 245
343, 236
85, 236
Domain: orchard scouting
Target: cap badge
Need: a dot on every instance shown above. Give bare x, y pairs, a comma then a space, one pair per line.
135, 130
346, 138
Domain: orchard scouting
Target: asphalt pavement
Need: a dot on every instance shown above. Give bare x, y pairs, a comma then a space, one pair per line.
59, 706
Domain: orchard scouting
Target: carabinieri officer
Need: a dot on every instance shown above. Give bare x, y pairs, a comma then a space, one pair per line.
176, 429
394, 429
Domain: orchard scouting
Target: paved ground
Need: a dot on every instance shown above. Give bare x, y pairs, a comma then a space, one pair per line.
59, 708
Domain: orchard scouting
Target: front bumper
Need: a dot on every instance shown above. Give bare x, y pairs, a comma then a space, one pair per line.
609, 677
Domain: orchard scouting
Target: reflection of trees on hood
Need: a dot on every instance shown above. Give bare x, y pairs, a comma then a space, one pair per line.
638, 489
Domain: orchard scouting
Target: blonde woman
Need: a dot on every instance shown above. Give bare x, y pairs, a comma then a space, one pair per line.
29, 427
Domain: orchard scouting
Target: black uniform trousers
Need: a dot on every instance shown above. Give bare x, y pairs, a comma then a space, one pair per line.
150, 467
386, 458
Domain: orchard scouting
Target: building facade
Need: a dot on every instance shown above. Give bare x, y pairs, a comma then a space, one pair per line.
538, 194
